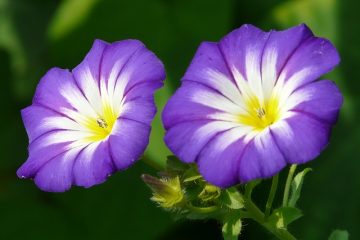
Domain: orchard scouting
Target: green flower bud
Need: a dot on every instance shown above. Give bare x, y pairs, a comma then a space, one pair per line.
209, 192
167, 191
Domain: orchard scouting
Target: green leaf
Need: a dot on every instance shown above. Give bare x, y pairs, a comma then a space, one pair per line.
232, 227
339, 235
283, 216
232, 199
69, 16
296, 186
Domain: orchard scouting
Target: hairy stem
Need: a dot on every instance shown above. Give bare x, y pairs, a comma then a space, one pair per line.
288, 184
203, 210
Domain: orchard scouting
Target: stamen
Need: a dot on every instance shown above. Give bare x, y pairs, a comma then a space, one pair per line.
260, 112
102, 123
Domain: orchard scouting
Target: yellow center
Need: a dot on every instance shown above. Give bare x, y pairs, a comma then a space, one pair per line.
260, 115
100, 127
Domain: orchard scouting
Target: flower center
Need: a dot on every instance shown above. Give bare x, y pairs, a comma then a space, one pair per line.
260, 115
101, 127
102, 123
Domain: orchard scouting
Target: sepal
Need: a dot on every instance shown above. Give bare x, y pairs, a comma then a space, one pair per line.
296, 186
231, 226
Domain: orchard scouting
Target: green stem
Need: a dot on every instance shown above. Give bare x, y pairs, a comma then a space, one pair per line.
249, 188
259, 217
288, 184
271, 197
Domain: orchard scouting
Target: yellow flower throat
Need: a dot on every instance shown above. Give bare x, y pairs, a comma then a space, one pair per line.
101, 127
260, 115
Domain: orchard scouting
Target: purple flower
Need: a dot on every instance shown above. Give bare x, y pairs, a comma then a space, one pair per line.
251, 104
86, 124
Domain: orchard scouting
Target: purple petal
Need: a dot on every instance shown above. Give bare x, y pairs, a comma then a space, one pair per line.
128, 63
242, 50
186, 140
144, 66
145, 89
320, 99
56, 174
44, 148
208, 67
115, 57
58, 91
87, 73
39, 120
313, 58
194, 101
301, 137
48, 91
139, 102
262, 158
219, 160
278, 50
141, 110
91, 64
128, 142
93, 165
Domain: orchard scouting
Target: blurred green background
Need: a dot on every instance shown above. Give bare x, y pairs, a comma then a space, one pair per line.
36, 35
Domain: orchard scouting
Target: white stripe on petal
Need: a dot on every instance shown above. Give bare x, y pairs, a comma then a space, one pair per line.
113, 76
63, 137
89, 151
213, 127
296, 98
231, 136
77, 100
242, 84
216, 101
91, 89
269, 71
78, 117
222, 116
225, 86
253, 74
60, 123
284, 128
286, 86
119, 91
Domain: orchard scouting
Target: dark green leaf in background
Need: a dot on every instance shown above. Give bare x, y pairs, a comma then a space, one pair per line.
339, 235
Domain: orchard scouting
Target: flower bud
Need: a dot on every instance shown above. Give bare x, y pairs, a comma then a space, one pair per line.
167, 191
210, 192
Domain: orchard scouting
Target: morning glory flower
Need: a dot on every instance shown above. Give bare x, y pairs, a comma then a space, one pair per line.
252, 103
86, 124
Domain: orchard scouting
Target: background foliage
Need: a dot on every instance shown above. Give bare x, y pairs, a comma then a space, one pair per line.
36, 35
